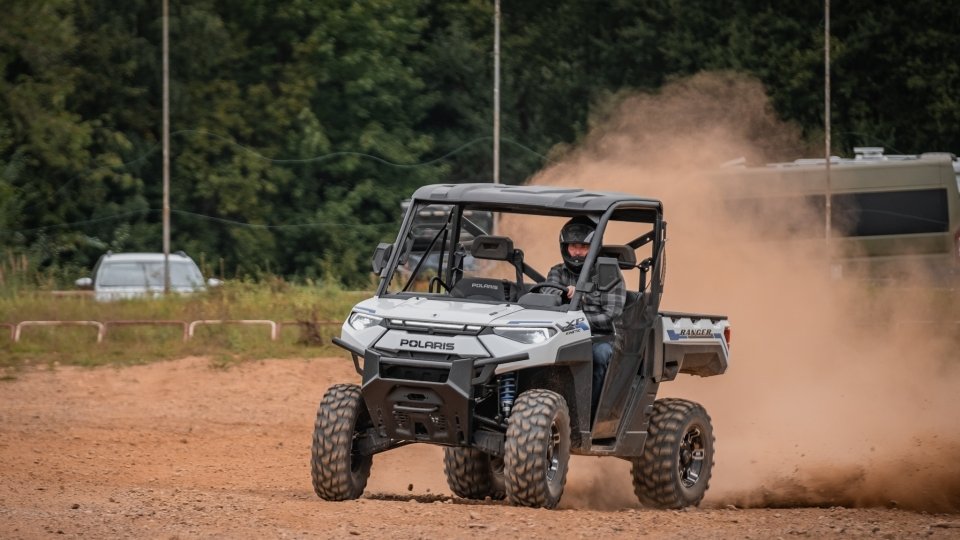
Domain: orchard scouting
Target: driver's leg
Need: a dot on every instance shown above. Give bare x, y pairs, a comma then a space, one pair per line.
602, 352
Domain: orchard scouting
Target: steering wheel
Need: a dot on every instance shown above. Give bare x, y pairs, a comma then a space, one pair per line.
552, 285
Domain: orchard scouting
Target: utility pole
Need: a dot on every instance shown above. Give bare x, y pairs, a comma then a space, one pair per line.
496, 92
166, 148
496, 104
826, 117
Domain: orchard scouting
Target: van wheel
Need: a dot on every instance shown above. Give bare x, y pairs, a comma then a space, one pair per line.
473, 474
338, 471
537, 449
674, 470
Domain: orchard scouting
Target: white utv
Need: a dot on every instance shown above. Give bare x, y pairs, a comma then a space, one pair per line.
499, 373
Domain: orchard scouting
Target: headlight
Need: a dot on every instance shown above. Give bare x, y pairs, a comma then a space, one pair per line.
362, 321
525, 335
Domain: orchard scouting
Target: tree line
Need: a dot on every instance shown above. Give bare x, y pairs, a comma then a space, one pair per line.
298, 126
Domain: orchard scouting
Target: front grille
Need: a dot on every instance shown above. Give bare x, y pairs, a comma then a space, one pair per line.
405, 373
430, 327
419, 355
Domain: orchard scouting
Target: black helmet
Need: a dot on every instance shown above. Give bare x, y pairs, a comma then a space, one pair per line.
578, 230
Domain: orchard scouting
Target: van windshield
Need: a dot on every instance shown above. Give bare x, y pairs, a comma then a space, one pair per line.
148, 274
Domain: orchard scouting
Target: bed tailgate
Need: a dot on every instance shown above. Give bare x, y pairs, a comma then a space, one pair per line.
692, 343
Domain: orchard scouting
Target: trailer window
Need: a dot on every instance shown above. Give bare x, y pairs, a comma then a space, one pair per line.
891, 212
876, 213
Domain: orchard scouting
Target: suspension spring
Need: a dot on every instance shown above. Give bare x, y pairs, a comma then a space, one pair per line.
508, 392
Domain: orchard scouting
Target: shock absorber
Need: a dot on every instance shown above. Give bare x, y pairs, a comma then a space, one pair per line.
508, 392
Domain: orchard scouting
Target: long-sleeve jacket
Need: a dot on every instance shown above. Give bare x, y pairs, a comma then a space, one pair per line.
600, 307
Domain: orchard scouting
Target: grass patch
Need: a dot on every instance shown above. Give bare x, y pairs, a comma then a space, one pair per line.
301, 310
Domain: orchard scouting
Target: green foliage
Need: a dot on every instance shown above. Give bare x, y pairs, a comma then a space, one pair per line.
298, 126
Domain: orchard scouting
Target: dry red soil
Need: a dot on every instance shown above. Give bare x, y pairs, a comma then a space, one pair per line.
183, 449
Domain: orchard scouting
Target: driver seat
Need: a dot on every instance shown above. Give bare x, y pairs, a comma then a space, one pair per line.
500, 248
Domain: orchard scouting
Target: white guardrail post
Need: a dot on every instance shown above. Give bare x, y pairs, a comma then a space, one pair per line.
99, 325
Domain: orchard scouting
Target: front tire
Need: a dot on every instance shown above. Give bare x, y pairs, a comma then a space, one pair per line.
674, 470
473, 474
338, 471
537, 449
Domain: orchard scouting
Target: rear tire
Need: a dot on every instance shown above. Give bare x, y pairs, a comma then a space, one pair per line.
473, 474
339, 473
674, 470
537, 449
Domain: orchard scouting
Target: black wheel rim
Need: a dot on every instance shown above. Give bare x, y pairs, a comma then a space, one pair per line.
691, 456
553, 453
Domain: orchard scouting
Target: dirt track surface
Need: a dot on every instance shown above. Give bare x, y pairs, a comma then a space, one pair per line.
183, 450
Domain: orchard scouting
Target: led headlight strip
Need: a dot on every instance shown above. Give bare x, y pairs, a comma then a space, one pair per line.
525, 335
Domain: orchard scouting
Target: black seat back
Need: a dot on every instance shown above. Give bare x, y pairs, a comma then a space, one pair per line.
483, 289
500, 248
497, 248
625, 255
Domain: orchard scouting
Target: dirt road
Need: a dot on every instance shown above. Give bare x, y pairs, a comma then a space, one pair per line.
183, 449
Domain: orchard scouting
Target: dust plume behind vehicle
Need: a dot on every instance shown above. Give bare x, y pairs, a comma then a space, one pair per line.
843, 391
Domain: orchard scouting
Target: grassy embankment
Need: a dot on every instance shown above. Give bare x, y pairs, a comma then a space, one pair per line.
272, 300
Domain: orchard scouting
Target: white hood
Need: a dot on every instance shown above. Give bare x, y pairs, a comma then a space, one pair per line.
441, 311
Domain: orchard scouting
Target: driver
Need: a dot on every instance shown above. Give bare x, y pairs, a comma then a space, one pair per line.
600, 307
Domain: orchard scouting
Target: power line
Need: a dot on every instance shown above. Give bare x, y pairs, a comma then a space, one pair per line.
81, 222
285, 226
323, 157
205, 217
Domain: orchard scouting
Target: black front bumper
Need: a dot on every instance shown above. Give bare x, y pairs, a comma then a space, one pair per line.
417, 400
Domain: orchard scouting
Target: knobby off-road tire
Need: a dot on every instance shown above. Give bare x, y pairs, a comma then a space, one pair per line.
674, 470
537, 449
473, 474
338, 472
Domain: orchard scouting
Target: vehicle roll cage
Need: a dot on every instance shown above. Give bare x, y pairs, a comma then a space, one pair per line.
638, 210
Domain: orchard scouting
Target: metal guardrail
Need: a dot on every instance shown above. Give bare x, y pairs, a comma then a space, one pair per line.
189, 328
101, 328
273, 325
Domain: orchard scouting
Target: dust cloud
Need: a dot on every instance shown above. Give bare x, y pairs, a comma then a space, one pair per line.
834, 395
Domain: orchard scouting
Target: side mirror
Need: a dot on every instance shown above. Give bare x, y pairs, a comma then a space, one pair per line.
608, 273
381, 257
214, 282
84, 283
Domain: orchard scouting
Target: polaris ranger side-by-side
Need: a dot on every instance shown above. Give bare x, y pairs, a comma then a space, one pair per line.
487, 363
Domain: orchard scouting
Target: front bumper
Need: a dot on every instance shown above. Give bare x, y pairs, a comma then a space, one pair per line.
419, 400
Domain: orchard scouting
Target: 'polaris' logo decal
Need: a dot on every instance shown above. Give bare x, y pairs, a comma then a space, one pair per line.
484, 286
434, 345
